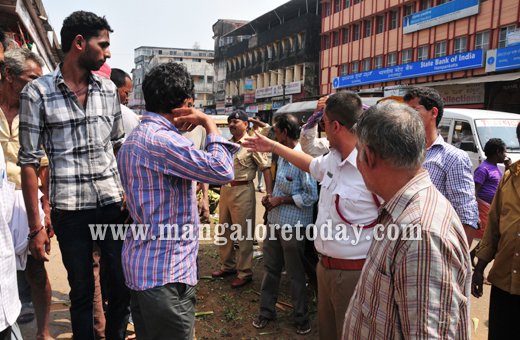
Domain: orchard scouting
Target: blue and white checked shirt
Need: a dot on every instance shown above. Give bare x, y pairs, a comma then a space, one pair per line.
450, 172
159, 168
301, 186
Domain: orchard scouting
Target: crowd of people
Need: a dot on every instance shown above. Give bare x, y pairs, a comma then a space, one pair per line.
394, 214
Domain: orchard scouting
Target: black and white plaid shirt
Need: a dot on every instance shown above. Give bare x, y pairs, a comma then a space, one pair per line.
79, 142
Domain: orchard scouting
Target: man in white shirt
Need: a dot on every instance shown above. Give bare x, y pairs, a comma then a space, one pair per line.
123, 83
347, 210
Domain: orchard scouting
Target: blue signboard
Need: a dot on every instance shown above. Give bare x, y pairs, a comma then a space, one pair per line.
503, 59
451, 63
249, 84
441, 14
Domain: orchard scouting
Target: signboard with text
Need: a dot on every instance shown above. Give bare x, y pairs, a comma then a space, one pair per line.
456, 62
252, 109
440, 14
249, 98
277, 90
462, 94
503, 59
513, 37
249, 84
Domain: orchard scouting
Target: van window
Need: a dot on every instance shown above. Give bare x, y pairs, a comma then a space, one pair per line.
444, 128
495, 128
463, 137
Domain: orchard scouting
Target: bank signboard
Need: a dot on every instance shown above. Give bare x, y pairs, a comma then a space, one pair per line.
503, 59
441, 14
277, 90
451, 63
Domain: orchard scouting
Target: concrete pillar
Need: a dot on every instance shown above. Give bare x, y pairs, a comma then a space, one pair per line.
267, 77
289, 76
274, 79
228, 90
259, 81
280, 77
297, 73
242, 86
254, 82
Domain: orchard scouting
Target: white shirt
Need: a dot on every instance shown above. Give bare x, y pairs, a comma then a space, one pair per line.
9, 301
312, 145
356, 204
130, 120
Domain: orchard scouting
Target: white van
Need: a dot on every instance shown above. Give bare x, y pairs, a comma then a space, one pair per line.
470, 129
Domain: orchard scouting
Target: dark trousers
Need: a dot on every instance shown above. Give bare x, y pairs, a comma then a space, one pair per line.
504, 315
75, 240
278, 252
6, 334
165, 312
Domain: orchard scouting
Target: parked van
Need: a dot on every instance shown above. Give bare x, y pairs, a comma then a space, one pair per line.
470, 129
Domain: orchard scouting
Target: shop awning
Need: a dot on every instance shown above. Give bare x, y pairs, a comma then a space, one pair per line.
472, 80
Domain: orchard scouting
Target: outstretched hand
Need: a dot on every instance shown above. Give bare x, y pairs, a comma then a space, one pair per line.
258, 144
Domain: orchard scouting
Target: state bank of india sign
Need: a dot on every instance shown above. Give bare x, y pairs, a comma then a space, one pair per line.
451, 63
277, 90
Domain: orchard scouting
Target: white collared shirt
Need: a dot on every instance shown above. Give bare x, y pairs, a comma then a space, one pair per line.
356, 204
9, 301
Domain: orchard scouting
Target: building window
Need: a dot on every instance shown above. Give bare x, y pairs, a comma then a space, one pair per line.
346, 35
440, 49
502, 36
393, 19
366, 64
425, 4
355, 67
210, 80
407, 56
422, 53
221, 42
392, 59
327, 9
177, 59
336, 38
378, 62
442, 2
346, 4
357, 2
229, 40
327, 42
482, 41
201, 54
187, 54
287, 45
368, 28
173, 52
344, 69
408, 10
337, 4
460, 45
197, 60
356, 32
380, 24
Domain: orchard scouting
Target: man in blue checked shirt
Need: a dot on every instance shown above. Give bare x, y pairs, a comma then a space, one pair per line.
449, 167
290, 210
159, 169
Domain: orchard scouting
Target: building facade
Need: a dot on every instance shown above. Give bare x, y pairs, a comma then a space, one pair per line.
380, 48
195, 60
27, 25
276, 51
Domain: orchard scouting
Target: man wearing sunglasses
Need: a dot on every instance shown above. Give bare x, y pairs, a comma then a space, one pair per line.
347, 210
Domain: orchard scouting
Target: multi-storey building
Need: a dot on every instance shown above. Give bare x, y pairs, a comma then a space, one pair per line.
196, 61
463, 48
276, 50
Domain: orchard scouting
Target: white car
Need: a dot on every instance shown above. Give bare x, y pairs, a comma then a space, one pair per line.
470, 129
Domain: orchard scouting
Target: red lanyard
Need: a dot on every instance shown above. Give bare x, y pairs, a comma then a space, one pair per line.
371, 225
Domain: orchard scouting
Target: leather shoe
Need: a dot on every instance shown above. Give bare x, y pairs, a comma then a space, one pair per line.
221, 273
240, 283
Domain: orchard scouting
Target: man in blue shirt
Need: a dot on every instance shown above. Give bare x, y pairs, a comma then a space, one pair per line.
449, 167
290, 210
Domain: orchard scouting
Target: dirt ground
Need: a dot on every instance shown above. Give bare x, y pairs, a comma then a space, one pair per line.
233, 309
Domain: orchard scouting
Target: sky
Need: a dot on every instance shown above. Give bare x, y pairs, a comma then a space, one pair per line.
162, 23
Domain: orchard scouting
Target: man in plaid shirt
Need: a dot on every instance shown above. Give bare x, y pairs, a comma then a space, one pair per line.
76, 115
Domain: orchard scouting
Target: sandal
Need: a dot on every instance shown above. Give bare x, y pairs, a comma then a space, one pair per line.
26, 314
303, 327
260, 322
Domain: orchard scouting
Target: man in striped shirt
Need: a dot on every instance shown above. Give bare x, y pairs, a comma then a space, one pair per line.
159, 169
416, 282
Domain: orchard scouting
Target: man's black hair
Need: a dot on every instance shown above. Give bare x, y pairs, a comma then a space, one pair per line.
3, 38
429, 98
118, 77
166, 87
345, 107
290, 123
493, 146
86, 24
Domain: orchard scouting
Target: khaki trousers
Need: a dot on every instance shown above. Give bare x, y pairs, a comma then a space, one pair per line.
238, 209
335, 288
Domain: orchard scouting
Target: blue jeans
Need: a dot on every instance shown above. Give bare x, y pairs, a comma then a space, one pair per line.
75, 240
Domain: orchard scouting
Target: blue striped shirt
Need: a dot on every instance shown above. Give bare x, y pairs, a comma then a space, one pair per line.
450, 172
158, 168
301, 186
